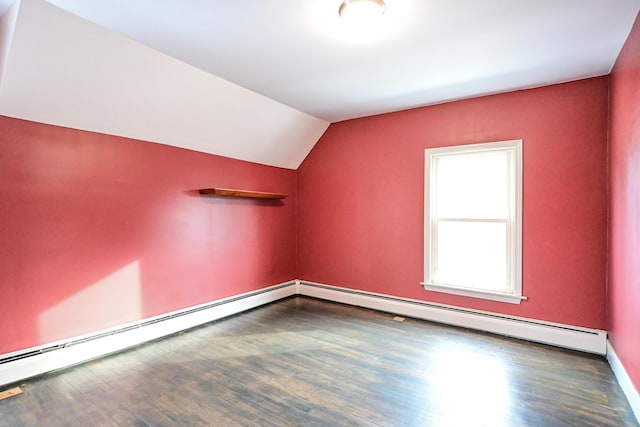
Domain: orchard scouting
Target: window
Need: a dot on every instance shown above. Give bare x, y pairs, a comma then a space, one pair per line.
473, 220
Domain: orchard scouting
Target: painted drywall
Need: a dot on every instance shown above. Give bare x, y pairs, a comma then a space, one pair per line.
7, 23
97, 230
361, 192
624, 229
66, 71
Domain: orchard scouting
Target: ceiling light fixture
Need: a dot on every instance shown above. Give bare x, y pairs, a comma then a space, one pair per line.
363, 9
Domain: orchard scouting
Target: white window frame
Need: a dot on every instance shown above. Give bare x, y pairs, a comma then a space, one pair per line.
514, 222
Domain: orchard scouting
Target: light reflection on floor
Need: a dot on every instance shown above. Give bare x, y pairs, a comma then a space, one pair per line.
469, 386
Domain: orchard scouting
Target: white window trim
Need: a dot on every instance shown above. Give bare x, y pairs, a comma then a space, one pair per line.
514, 297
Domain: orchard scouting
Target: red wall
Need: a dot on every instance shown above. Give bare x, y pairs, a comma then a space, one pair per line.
624, 231
361, 191
97, 230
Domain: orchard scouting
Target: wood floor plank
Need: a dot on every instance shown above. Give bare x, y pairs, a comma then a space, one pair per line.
306, 362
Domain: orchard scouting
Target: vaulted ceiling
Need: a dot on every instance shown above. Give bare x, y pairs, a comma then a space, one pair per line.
261, 80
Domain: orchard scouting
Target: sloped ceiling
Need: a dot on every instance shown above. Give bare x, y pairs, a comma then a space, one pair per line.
66, 71
261, 80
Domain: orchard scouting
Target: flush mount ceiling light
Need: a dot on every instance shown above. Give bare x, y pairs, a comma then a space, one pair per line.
362, 8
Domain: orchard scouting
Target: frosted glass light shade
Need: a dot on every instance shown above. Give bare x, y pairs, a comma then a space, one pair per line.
361, 9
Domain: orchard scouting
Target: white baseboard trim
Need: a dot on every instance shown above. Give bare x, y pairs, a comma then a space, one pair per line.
623, 379
566, 336
34, 361
20, 365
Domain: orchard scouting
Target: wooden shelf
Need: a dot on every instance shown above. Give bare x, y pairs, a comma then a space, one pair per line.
227, 192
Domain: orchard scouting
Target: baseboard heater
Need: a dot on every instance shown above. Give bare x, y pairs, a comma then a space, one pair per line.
560, 335
20, 365
24, 364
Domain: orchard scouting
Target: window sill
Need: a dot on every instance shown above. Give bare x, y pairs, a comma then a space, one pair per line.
474, 293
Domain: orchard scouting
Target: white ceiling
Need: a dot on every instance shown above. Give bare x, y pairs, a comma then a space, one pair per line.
297, 53
426, 51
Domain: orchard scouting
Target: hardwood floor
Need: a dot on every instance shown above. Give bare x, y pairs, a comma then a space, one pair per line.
306, 362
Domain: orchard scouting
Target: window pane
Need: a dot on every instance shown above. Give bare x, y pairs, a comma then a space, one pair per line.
472, 185
472, 255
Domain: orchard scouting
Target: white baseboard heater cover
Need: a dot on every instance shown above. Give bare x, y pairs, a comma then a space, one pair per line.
20, 365
38, 360
566, 336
